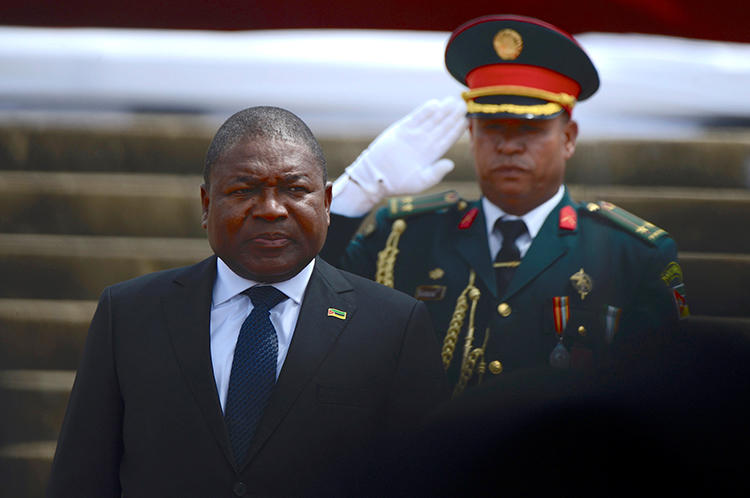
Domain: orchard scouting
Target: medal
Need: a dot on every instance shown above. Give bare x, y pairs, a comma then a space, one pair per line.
611, 323
559, 357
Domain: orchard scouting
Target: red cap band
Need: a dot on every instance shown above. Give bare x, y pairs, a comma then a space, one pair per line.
522, 75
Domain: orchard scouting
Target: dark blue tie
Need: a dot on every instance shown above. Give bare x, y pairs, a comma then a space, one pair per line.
253, 370
509, 257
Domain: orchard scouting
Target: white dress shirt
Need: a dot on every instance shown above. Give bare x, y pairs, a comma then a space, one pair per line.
229, 308
534, 220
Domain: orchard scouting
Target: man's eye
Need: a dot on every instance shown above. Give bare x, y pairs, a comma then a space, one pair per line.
298, 188
241, 191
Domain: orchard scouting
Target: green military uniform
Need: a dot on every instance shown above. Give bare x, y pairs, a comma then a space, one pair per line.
596, 279
597, 282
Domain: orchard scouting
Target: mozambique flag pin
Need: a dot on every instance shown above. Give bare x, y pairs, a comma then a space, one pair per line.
341, 315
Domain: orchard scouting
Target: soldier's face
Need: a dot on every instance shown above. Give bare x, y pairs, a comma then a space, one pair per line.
520, 163
266, 208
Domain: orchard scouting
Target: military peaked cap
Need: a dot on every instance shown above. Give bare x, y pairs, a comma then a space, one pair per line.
519, 67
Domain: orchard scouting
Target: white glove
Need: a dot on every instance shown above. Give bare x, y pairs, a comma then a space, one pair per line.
404, 159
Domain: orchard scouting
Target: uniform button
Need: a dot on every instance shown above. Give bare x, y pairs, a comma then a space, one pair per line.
504, 309
496, 367
240, 489
581, 330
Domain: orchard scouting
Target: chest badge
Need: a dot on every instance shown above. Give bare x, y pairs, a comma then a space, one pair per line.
582, 283
568, 218
436, 274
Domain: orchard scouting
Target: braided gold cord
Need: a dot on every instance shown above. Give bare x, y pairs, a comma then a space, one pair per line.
482, 368
469, 341
467, 370
457, 321
384, 272
470, 358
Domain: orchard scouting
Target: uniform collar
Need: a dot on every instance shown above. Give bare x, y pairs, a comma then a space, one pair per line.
534, 219
228, 284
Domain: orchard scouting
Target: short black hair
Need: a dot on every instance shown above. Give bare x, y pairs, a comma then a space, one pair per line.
262, 122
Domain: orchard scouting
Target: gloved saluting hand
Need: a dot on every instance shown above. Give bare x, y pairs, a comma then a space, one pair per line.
404, 159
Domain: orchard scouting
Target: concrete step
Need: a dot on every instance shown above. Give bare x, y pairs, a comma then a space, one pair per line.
79, 267
33, 403
43, 334
145, 205
156, 144
700, 219
717, 283
177, 144
25, 468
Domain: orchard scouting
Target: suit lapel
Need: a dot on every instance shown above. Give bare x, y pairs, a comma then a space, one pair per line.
550, 244
314, 336
188, 316
473, 246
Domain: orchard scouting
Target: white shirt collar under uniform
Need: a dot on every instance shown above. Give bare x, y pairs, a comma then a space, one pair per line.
230, 307
534, 220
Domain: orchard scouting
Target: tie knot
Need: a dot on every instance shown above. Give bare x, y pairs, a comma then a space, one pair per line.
265, 297
511, 229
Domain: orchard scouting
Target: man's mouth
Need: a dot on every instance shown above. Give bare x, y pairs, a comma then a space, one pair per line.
510, 168
270, 240
510, 171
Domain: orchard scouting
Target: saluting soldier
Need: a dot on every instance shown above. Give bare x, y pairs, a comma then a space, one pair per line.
524, 276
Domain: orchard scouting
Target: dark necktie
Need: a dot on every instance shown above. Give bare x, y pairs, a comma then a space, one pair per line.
509, 257
253, 370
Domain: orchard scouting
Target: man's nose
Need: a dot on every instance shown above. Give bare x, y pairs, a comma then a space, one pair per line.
510, 144
269, 206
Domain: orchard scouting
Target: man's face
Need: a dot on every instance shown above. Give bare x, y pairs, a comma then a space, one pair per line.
520, 163
266, 209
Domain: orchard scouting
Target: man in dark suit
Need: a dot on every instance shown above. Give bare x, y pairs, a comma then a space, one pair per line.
258, 369
525, 276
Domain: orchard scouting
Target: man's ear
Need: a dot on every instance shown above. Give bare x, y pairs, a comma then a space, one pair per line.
205, 200
570, 131
328, 199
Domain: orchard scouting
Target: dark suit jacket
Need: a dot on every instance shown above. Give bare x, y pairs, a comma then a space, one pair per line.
144, 416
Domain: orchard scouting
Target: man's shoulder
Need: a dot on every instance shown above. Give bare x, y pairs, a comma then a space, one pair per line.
154, 283
604, 215
425, 212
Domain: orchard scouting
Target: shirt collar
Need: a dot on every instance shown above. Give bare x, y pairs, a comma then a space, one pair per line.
534, 219
228, 284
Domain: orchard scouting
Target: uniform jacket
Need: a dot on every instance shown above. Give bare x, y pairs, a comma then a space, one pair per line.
144, 416
623, 298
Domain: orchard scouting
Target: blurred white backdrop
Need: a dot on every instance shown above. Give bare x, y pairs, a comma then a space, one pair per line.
348, 82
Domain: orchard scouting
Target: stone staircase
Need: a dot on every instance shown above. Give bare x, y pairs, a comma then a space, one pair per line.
82, 208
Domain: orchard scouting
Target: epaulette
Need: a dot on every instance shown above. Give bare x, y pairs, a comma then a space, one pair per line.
401, 207
626, 220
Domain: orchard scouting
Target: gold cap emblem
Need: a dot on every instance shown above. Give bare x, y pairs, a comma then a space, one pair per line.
508, 44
